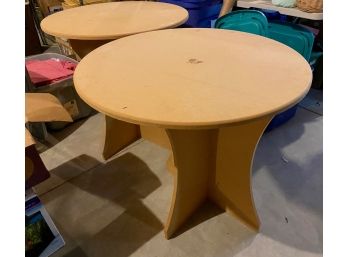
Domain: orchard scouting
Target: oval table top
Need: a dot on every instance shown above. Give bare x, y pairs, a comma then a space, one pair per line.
113, 20
189, 78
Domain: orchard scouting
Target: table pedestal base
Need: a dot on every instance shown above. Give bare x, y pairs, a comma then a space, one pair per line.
118, 135
212, 164
216, 165
84, 47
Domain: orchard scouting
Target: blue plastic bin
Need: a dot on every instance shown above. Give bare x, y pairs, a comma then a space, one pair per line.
201, 12
281, 118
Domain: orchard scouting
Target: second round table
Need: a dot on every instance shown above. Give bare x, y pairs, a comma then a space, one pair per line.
90, 26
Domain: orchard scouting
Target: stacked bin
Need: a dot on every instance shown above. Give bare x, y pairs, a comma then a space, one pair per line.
63, 89
201, 12
292, 35
299, 39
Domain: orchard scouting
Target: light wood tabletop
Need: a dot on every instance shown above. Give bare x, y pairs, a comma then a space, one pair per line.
113, 20
89, 27
205, 94
184, 78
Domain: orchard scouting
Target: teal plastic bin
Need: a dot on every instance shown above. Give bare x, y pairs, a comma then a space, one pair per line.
255, 22
301, 40
249, 21
292, 35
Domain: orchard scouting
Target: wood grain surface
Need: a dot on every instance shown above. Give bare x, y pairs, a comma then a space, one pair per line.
192, 78
113, 20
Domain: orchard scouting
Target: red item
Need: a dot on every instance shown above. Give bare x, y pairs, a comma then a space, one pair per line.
44, 72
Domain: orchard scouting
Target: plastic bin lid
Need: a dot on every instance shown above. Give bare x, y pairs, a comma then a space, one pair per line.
250, 21
294, 36
46, 56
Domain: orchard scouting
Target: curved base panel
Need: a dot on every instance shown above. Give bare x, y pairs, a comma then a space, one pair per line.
118, 135
214, 164
84, 47
210, 164
194, 163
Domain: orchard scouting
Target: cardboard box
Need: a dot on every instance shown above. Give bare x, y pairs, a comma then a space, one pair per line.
39, 107
49, 6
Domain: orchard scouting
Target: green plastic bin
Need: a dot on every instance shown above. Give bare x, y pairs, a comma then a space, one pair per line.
298, 38
249, 21
292, 35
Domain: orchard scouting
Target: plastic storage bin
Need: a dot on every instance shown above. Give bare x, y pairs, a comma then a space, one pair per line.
64, 90
281, 118
292, 35
299, 39
201, 12
250, 21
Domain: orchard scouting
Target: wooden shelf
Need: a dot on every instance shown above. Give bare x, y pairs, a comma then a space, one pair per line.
267, 4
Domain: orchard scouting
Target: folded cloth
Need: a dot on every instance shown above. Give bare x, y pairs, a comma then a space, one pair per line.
44, 72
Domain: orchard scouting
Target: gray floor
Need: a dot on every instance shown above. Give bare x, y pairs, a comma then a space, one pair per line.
117, 208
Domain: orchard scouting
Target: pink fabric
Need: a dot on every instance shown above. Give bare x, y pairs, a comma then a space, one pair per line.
44, 72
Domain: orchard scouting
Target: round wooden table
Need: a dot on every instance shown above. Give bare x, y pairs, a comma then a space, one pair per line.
90, 26
212, 92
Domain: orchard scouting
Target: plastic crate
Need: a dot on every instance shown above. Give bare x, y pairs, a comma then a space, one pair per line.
64, 90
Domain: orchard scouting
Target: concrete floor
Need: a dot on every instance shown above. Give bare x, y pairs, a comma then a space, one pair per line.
117, 208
